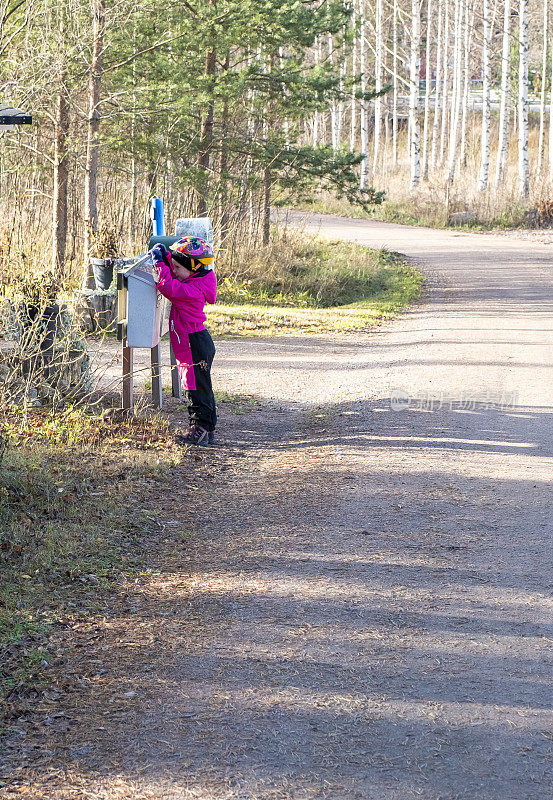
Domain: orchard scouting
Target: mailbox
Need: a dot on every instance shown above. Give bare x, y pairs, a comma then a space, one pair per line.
145, 310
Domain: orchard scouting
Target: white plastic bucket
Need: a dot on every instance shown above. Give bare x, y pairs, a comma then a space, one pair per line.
195, 226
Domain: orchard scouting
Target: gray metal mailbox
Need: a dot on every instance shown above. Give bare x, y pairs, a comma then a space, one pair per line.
145, 310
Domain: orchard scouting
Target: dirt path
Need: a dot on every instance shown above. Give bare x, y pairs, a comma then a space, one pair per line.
365, 609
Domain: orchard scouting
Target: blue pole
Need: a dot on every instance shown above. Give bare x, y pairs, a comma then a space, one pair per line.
158, 217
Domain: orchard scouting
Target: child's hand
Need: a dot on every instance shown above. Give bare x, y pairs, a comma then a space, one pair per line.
160, 253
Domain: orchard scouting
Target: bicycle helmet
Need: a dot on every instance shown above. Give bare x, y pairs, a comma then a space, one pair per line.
192, 252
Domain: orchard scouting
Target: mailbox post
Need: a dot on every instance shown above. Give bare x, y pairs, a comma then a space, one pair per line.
128, 367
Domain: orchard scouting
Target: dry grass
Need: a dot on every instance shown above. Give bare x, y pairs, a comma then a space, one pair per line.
433, 202
66, 529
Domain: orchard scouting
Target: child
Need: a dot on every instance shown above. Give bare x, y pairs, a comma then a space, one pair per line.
186, 278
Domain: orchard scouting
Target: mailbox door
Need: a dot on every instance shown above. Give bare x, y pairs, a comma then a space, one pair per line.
145, 311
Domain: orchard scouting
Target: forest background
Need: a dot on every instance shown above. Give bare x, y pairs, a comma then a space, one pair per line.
224, 107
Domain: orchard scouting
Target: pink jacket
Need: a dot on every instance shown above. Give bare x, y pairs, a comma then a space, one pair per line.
187, 315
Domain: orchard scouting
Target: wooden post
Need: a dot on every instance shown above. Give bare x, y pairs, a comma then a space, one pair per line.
157, 389
128, 394
175, 379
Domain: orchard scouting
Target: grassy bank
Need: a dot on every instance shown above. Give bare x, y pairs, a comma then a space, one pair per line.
431, 206
301, 284
71, 528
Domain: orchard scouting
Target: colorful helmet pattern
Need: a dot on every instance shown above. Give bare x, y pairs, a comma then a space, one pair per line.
197, 249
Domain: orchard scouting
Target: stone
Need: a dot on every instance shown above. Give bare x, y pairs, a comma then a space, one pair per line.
462, 218
97, 310
532, 218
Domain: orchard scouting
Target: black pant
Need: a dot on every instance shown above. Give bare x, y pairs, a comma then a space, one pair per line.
201, 401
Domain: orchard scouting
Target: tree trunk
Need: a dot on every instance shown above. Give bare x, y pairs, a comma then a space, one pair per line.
92, 145
206, 135
503, 143
363, 114
438, 91
428, 90
523, 176
267, 207
132, 209
395, 86
223, 167
551, 121
353, 113
334, 104
340, 109
550, 143
445, 72
61, 175
486, 68
316, 116
469, 21
541, 139
414, 75
379, 45
456, 93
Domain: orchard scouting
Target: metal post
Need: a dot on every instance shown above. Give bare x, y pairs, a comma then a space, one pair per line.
158, 217
158, 229
157, 389
175, 379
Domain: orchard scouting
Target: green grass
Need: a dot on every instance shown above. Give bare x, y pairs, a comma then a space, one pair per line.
313, 286
319, 416
236, 403
164, 389
66, 530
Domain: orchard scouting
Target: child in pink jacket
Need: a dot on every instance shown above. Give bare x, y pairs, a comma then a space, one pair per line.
185, 276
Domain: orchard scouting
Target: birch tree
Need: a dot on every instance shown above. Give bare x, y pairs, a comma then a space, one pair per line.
542, 88
503, 141
428, 90
414, 76
486, 70
353, 101
456, 92
551, 121
395, 84
334, 105
93, 126
363, 109
379, 46
445, 73
438, 90
523, 174
468, 26
318, 59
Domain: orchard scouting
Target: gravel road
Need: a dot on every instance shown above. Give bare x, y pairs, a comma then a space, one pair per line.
365, 611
